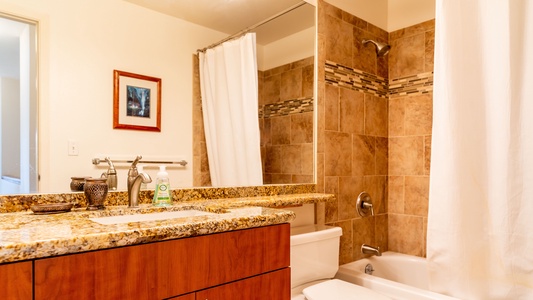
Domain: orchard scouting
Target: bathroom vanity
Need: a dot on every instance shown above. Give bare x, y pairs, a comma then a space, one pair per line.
242, 251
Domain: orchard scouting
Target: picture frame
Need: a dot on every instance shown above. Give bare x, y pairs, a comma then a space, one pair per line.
136, 101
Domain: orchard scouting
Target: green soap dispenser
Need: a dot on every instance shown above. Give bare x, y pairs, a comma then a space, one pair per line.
162, 194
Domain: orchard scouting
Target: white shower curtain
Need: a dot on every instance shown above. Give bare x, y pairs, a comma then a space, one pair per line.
229, 88
480, 225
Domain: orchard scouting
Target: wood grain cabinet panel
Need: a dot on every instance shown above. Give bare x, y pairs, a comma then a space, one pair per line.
191, 296
164, 269
274, 285
16, 281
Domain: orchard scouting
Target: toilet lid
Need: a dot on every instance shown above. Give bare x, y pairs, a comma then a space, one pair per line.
338, 289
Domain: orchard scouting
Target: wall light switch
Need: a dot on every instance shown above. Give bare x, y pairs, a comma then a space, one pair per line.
73, 148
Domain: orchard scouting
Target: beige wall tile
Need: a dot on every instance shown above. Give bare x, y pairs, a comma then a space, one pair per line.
291, 84
364, 55
307, 159
352, 108
364, 155
332, 108
346, 242
301, 129
406, 155
338, 154
301, 178
271, 89
339, 41
396, 194
418, 114
407, 56
332, 187
273, 159
382, 156
281, 178
417, 195
320, 178
376, 187
396, 117
376, 116
363, 233
406, 234
291, 161
430, 50
321, 115
279, 133
382, 232
349, 188
427, 154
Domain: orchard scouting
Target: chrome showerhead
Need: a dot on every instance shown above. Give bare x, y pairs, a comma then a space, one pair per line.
381, 48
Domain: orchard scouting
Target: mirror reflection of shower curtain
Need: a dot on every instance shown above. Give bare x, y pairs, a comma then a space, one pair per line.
480, 237
229, 88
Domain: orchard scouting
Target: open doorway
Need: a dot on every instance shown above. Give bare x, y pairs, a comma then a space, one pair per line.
18, 105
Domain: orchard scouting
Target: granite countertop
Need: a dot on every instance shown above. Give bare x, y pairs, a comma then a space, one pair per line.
25, 235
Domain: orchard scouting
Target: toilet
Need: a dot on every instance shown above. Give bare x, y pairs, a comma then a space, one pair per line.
314, 263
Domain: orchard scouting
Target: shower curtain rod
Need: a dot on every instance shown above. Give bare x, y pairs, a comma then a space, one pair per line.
246, 30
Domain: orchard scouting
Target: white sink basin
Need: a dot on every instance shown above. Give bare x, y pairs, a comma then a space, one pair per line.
150, 217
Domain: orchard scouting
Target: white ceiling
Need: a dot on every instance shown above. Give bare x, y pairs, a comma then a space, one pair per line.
232, 16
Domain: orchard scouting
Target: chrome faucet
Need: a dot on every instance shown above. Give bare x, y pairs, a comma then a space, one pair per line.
110, 175
367, 249
135, 179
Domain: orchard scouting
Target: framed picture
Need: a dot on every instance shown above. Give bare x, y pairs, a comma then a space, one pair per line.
136, 101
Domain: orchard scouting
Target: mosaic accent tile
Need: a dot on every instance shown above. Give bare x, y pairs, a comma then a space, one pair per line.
411, 85
354, 79
339, 75
285, 108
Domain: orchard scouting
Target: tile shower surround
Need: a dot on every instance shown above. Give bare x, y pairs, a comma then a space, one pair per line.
374, 130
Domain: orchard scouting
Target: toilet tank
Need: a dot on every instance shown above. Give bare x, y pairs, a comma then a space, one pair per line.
314, 253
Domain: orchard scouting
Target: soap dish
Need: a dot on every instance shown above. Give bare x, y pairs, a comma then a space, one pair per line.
52, 208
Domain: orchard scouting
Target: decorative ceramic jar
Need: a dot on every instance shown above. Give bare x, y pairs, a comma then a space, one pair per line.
77, 183
95, 191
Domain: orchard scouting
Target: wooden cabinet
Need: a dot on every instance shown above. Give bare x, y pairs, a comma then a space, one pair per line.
16, 281
170, 268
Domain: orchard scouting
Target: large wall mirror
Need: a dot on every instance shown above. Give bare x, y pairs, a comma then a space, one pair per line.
78, 56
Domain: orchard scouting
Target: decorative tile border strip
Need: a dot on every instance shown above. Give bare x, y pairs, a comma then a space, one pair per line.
358, 80
285, 108
354, 79
411, 85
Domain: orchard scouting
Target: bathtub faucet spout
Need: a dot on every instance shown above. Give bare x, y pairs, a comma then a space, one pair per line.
367, 249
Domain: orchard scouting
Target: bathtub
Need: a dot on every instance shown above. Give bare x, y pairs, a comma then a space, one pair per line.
399, 276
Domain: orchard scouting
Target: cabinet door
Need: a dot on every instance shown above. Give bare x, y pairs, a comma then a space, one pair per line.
274, 285
16, 281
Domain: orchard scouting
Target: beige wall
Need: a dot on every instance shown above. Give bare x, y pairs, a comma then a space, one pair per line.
374, 137
81, 43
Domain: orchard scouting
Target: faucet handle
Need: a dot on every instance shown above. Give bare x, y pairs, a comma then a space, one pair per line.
364, 205
133, 168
